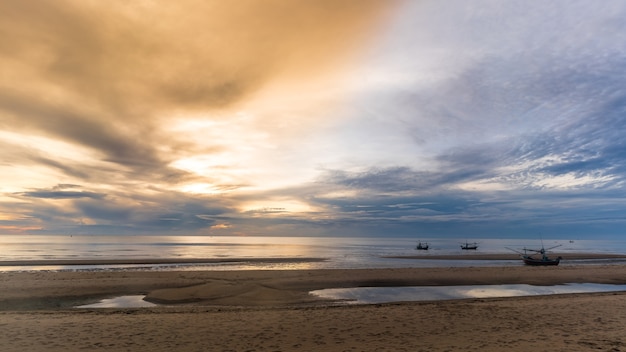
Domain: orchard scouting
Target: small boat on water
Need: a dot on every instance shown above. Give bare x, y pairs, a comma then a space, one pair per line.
468, 245
422, 246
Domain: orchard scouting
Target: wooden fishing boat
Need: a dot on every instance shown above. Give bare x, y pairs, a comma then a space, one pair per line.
543, 261
468, 245
422, 246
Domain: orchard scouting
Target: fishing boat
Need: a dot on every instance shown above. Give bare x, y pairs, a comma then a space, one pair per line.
422, 246
468, 245
544, 260
528, 259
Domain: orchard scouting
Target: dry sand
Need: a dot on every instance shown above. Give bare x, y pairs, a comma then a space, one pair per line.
272, 311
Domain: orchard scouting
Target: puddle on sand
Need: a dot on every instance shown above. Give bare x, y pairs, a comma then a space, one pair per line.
135, 301
372, 295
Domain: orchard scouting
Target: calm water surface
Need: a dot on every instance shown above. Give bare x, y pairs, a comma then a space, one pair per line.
339, 252
372, 295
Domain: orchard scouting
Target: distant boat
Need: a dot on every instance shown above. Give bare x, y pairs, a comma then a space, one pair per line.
468, 245
422, 246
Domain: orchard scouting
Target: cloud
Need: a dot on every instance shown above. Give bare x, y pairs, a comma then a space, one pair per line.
61, 194
80, 125
392, 180
110, 78
313, 117
75, 209
145, 57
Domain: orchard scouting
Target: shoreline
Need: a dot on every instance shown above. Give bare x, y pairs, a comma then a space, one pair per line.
152, 261
287, 260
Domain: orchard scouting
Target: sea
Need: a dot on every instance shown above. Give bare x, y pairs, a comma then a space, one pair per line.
244, 252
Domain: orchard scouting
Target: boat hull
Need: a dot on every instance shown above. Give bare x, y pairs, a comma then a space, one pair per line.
541, 262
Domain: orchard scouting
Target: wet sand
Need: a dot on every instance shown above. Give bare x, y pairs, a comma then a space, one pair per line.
272, 311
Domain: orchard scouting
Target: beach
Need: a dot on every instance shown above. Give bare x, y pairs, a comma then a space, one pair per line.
271, 310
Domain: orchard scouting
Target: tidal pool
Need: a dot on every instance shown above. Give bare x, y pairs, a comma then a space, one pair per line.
370, 295
135, 301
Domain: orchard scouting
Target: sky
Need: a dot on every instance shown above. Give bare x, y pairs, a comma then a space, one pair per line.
381, 118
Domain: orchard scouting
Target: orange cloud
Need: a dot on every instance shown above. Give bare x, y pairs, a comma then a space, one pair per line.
19, 229
129, 57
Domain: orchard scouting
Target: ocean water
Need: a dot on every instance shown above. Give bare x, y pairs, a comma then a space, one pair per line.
338, 252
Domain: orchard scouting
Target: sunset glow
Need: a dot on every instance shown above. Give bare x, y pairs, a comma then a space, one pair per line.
331, 117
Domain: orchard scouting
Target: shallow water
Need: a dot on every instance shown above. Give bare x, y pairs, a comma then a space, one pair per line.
371, 295
135, 301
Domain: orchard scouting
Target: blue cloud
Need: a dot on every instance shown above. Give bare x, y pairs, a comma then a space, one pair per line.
62, 194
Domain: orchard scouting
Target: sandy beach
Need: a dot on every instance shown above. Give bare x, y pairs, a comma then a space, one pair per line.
272, 310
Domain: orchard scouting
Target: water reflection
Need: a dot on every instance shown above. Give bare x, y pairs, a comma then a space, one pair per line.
135, 301
220, 266
370, 295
